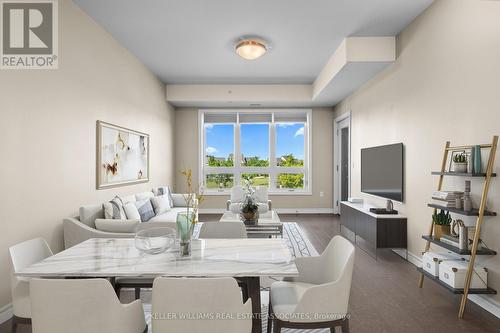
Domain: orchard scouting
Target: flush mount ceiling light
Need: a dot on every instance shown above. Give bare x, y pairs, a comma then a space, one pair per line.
251, 48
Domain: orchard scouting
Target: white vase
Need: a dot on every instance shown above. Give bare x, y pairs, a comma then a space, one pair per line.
460, 167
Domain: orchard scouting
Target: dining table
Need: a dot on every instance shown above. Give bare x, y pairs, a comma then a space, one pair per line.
246, 260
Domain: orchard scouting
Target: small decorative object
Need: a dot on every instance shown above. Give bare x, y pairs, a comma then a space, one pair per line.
477, 159
460, 162
442, 222
187, 220
467, 199
154, 240
389, 206
458, 203
249, 207
122, 156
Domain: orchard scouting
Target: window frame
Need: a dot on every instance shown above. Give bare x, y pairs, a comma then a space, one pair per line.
273, 169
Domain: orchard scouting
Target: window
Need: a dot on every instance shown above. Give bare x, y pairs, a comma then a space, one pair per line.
265, 148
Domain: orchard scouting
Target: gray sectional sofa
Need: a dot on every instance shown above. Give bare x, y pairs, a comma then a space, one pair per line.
80, 228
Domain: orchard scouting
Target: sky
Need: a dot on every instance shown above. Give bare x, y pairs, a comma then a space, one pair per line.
255, 140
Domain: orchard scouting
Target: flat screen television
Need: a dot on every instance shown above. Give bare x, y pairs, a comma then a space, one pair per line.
382, 171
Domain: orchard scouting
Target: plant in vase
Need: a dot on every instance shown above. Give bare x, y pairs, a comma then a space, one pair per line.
460, 163
186, 221
442, 222
249, 207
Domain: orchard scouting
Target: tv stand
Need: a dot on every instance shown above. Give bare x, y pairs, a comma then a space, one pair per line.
370, 231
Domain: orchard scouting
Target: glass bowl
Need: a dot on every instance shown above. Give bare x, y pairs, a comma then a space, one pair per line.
154, 240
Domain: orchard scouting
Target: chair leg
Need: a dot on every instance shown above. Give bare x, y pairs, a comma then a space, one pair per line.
14, 325
345, 325
276, 326
137, 293
269, 317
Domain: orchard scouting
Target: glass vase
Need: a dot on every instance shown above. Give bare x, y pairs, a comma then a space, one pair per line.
185, 227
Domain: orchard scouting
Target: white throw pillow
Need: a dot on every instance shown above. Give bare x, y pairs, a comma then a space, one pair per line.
161, 204
131, 211
261, 194
114, 209
116, 225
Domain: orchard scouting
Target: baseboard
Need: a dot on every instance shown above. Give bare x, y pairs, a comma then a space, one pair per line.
279, 210
5, 313
483, 301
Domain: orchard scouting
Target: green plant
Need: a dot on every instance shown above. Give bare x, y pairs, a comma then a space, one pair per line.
249, 205
460, 158
441, 218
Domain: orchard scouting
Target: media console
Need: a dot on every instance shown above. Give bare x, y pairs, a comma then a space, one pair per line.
372, 231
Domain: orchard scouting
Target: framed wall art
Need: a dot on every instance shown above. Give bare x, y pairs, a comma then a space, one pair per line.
122, 156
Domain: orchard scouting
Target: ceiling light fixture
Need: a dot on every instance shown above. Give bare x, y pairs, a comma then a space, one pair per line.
251, 48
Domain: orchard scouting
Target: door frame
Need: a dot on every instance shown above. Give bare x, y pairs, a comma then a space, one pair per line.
336, 159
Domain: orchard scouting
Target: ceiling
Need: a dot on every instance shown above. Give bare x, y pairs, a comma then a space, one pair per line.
192, 41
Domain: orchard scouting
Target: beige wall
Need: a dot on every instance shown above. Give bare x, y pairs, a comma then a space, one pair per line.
443, 86
47, 130
186, 156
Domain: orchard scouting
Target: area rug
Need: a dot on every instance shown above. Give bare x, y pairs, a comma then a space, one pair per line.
299, 246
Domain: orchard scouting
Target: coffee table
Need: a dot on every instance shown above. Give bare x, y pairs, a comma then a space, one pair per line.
268, 225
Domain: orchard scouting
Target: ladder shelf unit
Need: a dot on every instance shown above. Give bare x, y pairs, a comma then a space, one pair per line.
480, 213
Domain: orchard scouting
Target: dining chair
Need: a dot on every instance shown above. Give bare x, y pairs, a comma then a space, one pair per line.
22, 255
208, 305
138, 283
319, 296
223, 230
82, 306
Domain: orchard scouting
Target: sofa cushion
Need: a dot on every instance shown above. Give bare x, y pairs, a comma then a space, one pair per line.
143, 196
261, 194
165, 190
169, 216
145, 210
114, 225
160, 204
131, 211
114, 209
89, 213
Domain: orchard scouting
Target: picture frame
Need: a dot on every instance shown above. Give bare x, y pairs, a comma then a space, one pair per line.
122, 156
453, 153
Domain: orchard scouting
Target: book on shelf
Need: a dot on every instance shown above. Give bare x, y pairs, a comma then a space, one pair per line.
447, 195
450, 242
447, 204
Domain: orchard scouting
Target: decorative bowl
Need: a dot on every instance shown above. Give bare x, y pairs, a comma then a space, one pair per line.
154, 240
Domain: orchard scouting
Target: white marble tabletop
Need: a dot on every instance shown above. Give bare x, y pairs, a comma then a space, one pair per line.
118, 257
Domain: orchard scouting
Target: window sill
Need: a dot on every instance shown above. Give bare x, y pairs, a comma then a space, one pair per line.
271, 193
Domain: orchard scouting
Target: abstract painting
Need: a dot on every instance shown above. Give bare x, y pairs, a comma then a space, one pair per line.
122, 156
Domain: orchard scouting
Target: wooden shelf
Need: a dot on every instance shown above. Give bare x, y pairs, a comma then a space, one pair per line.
488, 291
473, 212
460, 174
485, 252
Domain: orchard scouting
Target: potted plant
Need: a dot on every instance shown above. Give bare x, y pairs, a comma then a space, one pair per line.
460, 163
249, 207
442, 222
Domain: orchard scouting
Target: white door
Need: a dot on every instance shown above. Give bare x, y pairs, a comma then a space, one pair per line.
342, 160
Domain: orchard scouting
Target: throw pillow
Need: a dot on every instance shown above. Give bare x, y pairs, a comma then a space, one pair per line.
116, 225
145, 209
165, 190
131, 211
161, 204
114, 209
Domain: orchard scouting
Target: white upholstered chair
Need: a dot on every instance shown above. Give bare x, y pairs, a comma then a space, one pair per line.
223, 230
238, 194
82, 306
319, 297
199, 296
22, 255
